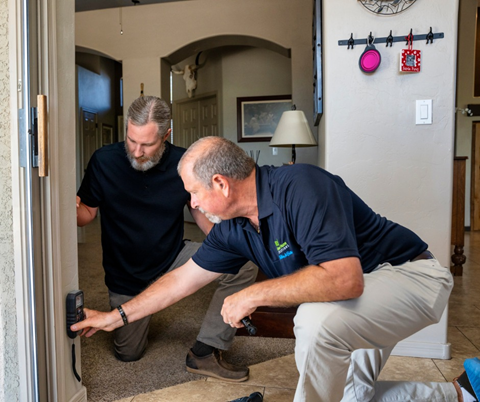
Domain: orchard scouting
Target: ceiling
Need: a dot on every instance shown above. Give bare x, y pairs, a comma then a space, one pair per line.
88, 5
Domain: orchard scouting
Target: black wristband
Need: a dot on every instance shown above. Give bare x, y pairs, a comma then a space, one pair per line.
122, 313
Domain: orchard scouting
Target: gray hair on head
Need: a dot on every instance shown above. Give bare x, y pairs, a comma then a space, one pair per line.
217, 155
148, 109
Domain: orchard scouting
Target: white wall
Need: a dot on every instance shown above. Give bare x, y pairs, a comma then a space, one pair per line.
254, 72
403, 171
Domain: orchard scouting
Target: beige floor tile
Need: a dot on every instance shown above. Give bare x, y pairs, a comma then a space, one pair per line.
450, 368
473, 335
410, 369
278, 373
278, 395
281, 372
130, 399
199, 391
463, 315
461, 346
462, 349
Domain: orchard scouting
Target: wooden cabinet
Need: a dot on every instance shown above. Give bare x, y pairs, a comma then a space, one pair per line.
458, 215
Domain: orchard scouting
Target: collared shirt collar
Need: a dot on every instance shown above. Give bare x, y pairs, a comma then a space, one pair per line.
264, 195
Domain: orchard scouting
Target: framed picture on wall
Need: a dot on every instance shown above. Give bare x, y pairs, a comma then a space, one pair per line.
258, 116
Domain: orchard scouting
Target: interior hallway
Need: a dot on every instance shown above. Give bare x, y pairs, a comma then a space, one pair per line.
276, 379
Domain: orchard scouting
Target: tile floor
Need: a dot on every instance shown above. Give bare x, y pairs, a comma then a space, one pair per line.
276, 379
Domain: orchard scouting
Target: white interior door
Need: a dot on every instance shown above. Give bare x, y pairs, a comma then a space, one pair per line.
195, 118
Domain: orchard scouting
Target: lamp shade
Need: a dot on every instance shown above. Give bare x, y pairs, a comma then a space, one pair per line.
293, 129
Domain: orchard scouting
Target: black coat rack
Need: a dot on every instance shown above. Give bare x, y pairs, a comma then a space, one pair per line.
389, 40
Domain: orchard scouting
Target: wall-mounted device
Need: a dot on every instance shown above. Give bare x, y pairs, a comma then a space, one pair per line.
74, 309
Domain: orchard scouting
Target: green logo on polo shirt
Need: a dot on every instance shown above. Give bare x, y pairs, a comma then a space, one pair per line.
282, 249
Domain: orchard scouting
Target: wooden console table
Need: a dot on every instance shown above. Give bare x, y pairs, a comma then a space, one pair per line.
458, 215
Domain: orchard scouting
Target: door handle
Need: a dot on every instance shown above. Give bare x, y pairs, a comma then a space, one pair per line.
42, 136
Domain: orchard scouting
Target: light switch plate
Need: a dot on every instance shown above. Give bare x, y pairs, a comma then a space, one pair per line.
423, 112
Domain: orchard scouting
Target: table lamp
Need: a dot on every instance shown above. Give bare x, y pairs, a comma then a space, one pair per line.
293, 130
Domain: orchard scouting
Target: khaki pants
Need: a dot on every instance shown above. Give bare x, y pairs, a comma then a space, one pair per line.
131, 341
341, 347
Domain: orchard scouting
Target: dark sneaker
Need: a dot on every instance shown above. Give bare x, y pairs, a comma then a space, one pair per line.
213, 365
255, 397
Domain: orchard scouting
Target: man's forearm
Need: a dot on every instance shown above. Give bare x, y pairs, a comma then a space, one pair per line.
164, 292
331, 281
309, 285
85, 215
161, 294
167, 290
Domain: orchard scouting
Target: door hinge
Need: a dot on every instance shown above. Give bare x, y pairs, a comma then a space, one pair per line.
28, 136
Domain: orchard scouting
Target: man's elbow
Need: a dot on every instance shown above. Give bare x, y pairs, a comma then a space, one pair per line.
356, 287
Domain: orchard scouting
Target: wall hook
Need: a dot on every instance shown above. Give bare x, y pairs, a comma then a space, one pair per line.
370, 39
430, 36
409, 38
389, 39
351, 42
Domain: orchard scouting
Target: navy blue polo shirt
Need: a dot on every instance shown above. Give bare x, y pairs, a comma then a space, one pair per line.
141, 215
307, 216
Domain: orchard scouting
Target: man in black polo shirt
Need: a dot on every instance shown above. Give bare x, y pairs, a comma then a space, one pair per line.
361, 282
141, 199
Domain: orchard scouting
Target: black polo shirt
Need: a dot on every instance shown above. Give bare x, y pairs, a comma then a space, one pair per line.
141, 215
307, 216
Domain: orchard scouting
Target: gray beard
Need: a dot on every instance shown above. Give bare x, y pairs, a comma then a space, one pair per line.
212, 218
149, 162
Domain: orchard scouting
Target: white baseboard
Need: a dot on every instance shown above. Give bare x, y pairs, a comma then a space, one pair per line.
80, 396
423, 349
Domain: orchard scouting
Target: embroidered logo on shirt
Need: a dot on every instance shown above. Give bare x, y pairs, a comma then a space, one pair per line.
282, 249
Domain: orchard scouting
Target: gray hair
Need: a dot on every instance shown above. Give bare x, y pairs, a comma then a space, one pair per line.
148, 109
217, 155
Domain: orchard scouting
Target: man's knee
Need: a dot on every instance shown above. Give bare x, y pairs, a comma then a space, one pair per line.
130, 342
127, 354
319, 323
249, 272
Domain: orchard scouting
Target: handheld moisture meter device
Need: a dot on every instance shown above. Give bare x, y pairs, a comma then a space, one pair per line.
74, 310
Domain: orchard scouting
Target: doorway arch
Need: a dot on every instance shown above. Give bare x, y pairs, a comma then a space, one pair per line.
210, 43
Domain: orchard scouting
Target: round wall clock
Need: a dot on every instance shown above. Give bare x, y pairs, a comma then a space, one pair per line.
387, 7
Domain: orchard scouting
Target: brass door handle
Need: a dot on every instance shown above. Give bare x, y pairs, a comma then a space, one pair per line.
42, 136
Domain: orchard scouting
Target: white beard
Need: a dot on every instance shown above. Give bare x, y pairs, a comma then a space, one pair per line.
212, 218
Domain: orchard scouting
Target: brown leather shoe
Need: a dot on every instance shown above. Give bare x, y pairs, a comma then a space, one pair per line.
213, 365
